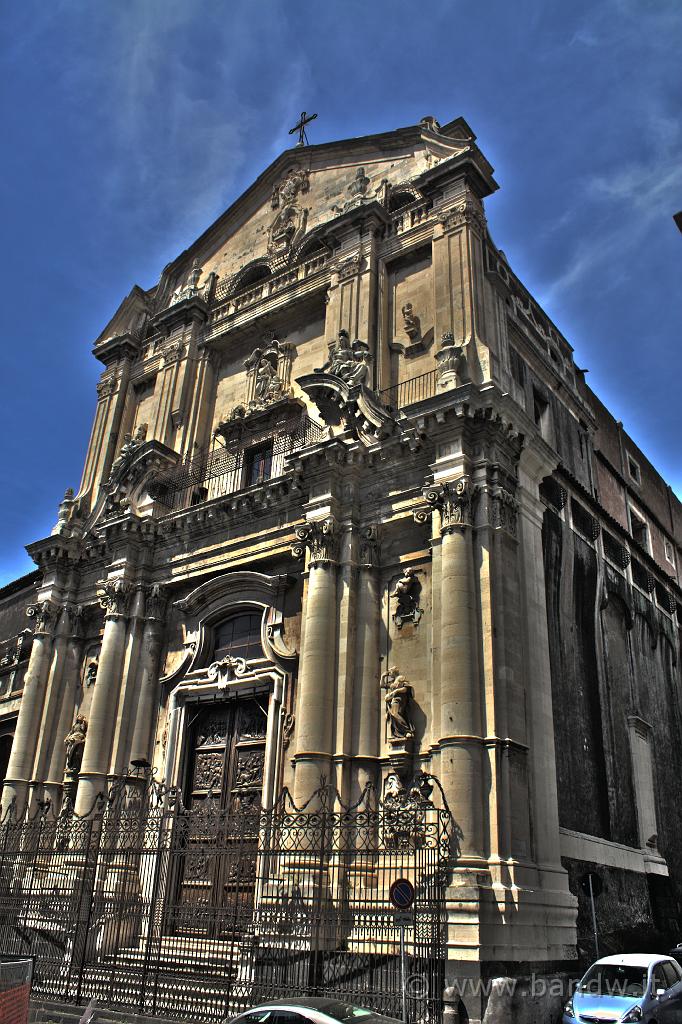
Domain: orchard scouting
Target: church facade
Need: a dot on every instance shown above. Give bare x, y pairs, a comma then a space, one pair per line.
349, 512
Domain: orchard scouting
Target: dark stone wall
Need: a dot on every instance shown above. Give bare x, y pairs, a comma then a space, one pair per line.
614, 658
571, 577
13, 605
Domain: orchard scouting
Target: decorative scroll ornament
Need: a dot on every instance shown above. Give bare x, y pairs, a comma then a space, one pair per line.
467, 212
44, 613
406, 594
227, 669
351, 362
455, 500
451, 362
288, 723
114, 597
106, 386
399, 694
350, 267
320, 537
504, 510
74, 743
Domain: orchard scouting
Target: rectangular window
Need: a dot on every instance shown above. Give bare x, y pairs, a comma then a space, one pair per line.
669, 551
633, 469
639, 530
643, 771
257, 464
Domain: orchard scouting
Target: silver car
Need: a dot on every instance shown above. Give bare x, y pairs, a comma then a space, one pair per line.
311, 1010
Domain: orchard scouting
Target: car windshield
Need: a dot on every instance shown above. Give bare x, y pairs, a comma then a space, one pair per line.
346, 1012
614, 980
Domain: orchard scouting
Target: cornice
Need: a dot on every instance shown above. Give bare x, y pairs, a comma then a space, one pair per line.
119, 347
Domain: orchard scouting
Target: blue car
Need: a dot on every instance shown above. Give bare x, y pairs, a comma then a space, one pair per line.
634, 987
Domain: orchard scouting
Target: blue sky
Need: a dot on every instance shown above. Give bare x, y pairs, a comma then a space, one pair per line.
129, 125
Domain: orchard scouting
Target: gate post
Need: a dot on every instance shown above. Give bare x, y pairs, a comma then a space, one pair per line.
451, 1002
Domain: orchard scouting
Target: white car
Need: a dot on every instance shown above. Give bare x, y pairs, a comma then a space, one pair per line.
311, 1010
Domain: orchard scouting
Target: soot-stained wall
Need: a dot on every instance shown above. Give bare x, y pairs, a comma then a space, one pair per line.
615, 667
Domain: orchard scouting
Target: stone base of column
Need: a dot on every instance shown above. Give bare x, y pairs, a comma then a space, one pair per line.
14, 795
90, 786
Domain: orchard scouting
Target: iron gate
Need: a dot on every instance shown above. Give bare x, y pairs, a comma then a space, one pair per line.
300, 907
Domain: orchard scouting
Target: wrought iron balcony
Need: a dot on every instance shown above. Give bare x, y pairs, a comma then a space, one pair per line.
250, 459
416, 389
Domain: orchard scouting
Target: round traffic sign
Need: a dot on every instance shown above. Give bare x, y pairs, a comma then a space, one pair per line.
401, 894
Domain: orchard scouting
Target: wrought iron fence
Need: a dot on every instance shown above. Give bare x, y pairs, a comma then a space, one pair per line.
217, 470
416, 389
198, 913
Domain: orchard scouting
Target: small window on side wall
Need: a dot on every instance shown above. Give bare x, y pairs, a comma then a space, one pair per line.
633, 469
639, 530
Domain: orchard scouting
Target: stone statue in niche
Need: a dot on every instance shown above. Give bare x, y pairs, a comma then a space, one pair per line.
406, 594
74, 743
349, 361
91, 672
268, 372
399, 693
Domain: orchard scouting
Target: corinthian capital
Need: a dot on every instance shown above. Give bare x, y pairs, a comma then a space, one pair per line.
455, 501
45, 615
321, 538
114, 597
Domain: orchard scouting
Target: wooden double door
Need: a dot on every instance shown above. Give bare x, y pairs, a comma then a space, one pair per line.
224, 783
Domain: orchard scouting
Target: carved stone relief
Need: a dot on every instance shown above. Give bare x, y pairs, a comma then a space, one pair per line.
290, 221
268, 373
406, 595
349, 361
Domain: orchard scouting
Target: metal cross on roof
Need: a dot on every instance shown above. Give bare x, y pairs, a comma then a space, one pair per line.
300, 128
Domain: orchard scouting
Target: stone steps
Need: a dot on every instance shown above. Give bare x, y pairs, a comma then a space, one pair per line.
46, 1011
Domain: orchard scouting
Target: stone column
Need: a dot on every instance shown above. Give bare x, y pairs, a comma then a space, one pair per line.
317, 668
461, 742
51, 708
148, 676
20, 767
366, 693
96, 755
71, 680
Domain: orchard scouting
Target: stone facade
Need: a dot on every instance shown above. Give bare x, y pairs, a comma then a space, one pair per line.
341, 412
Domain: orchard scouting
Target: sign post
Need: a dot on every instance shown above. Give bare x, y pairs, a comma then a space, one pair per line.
592, 886
401, 895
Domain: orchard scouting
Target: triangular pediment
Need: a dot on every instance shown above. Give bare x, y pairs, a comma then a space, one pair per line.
284, 212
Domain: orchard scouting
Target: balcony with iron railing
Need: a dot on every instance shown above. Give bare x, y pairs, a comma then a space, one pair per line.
218, 470
407, 392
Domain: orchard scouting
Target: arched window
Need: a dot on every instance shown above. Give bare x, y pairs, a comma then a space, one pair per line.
239, 636
397, 200
251, 276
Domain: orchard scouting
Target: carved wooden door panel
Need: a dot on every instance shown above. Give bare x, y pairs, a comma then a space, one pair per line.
226, 756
